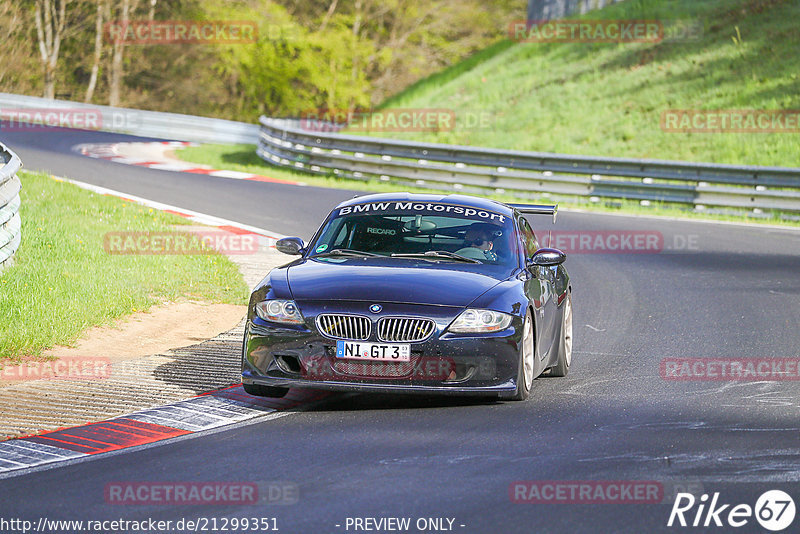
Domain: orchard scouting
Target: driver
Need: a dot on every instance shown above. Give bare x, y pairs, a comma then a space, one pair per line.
479, 241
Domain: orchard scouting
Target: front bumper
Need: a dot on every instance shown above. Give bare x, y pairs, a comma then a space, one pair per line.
446, 363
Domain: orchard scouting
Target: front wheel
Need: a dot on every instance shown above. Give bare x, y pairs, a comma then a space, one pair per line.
561, 368
527, 361
258, 390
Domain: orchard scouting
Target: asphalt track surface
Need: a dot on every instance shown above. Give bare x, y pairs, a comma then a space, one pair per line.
735, 294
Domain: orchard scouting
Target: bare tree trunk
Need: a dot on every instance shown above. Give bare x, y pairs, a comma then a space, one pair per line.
128, 7
98, 52
151, 15
359, 15
359, 7
328, 15
50, 17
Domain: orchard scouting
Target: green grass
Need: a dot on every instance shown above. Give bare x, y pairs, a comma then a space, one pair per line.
608, 99
63, 281
244, 158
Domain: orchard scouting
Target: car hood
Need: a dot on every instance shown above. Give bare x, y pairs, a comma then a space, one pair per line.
442, 284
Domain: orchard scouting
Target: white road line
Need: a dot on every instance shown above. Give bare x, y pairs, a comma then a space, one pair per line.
171, 167
232, 174
203, 218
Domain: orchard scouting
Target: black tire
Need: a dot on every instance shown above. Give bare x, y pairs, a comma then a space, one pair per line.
561, 368
257, 390
527, 352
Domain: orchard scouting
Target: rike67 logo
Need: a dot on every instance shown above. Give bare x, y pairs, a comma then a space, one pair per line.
774, 510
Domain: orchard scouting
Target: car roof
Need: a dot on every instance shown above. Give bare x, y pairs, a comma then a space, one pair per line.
461, 200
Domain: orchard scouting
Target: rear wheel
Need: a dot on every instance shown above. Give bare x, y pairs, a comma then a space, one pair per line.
527, 361
258, 390
561, 368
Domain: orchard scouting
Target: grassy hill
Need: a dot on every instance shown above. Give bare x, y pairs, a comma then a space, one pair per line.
608, 99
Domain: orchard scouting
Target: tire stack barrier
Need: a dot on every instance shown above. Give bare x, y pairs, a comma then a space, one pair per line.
10, 222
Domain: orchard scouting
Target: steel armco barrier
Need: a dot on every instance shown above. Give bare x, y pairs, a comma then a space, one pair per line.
283, 142
173, 126
10, 222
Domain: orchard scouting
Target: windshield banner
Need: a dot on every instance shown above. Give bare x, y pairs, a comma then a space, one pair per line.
422, 208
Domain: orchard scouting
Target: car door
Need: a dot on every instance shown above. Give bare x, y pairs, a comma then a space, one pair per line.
540, 290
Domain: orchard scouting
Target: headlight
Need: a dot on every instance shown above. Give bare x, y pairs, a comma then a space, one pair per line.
279, 311
475, 320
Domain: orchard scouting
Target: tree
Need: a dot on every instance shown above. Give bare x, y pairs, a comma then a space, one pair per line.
50, 16
125, 8
328, 15
336, 54
102, 7
15, 49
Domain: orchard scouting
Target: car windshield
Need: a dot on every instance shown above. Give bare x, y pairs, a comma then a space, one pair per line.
427, 231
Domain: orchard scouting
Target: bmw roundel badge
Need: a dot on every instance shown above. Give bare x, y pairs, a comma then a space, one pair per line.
375, 308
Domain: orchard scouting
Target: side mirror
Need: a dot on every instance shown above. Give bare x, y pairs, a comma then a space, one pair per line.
548, 257
293, 246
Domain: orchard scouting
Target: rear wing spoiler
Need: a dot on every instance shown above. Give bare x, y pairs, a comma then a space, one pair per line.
537, 209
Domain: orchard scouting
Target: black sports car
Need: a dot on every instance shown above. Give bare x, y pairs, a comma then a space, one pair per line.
413, 293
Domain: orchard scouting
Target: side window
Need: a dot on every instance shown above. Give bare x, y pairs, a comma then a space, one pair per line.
528, 238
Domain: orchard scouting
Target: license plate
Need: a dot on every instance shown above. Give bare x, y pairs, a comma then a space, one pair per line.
382, 352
